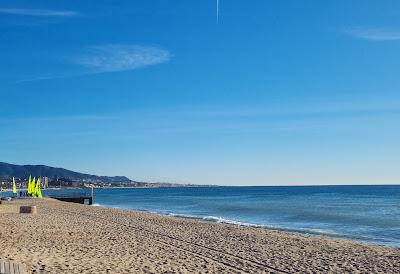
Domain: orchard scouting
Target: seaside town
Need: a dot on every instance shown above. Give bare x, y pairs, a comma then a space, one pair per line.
61, 183
46, 182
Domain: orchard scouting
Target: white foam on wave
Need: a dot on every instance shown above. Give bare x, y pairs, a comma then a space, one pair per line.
322, 231
99, 205
235, 222
182, 215
239, 223
228, 221
219, 220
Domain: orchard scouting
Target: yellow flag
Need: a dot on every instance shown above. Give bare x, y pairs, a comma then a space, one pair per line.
33, 182
39, 193
37, 187
14, 186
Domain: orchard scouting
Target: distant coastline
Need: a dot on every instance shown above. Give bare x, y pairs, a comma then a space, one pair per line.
54, 177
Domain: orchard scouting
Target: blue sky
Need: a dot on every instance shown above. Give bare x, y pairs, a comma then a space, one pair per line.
274, 93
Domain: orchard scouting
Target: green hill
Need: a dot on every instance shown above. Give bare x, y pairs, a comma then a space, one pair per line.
23, 171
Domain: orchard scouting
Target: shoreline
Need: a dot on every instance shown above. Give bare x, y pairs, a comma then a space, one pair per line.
313, 230
73, 238
221, 220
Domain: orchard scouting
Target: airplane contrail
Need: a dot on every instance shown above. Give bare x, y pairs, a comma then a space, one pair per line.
217, 11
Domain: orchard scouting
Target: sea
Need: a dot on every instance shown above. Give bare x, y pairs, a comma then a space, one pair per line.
363, 213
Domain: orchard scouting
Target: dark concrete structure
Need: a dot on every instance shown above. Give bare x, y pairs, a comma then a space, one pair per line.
78, 200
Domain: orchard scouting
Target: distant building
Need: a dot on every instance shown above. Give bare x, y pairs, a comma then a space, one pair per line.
45, 182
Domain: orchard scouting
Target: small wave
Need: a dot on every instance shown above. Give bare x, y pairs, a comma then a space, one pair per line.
219, 220
235, 222
322, 231
181, 215
228, 221
99, 205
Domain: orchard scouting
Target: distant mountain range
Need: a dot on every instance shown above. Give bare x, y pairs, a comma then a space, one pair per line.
61, 177
23, 171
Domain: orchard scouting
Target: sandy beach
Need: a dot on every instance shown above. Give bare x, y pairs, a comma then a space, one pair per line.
73, 238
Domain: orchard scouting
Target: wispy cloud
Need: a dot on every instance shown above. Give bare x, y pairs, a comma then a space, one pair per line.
374, 33
108, 58
39, 12
114, 57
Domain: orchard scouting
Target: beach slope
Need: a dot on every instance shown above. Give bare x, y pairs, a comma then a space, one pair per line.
72, 238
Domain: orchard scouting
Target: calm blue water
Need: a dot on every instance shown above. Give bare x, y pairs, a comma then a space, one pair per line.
366, 213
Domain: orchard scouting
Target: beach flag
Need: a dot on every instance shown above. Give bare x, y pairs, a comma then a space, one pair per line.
14, 188
39, 192
32, 189
37, 187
